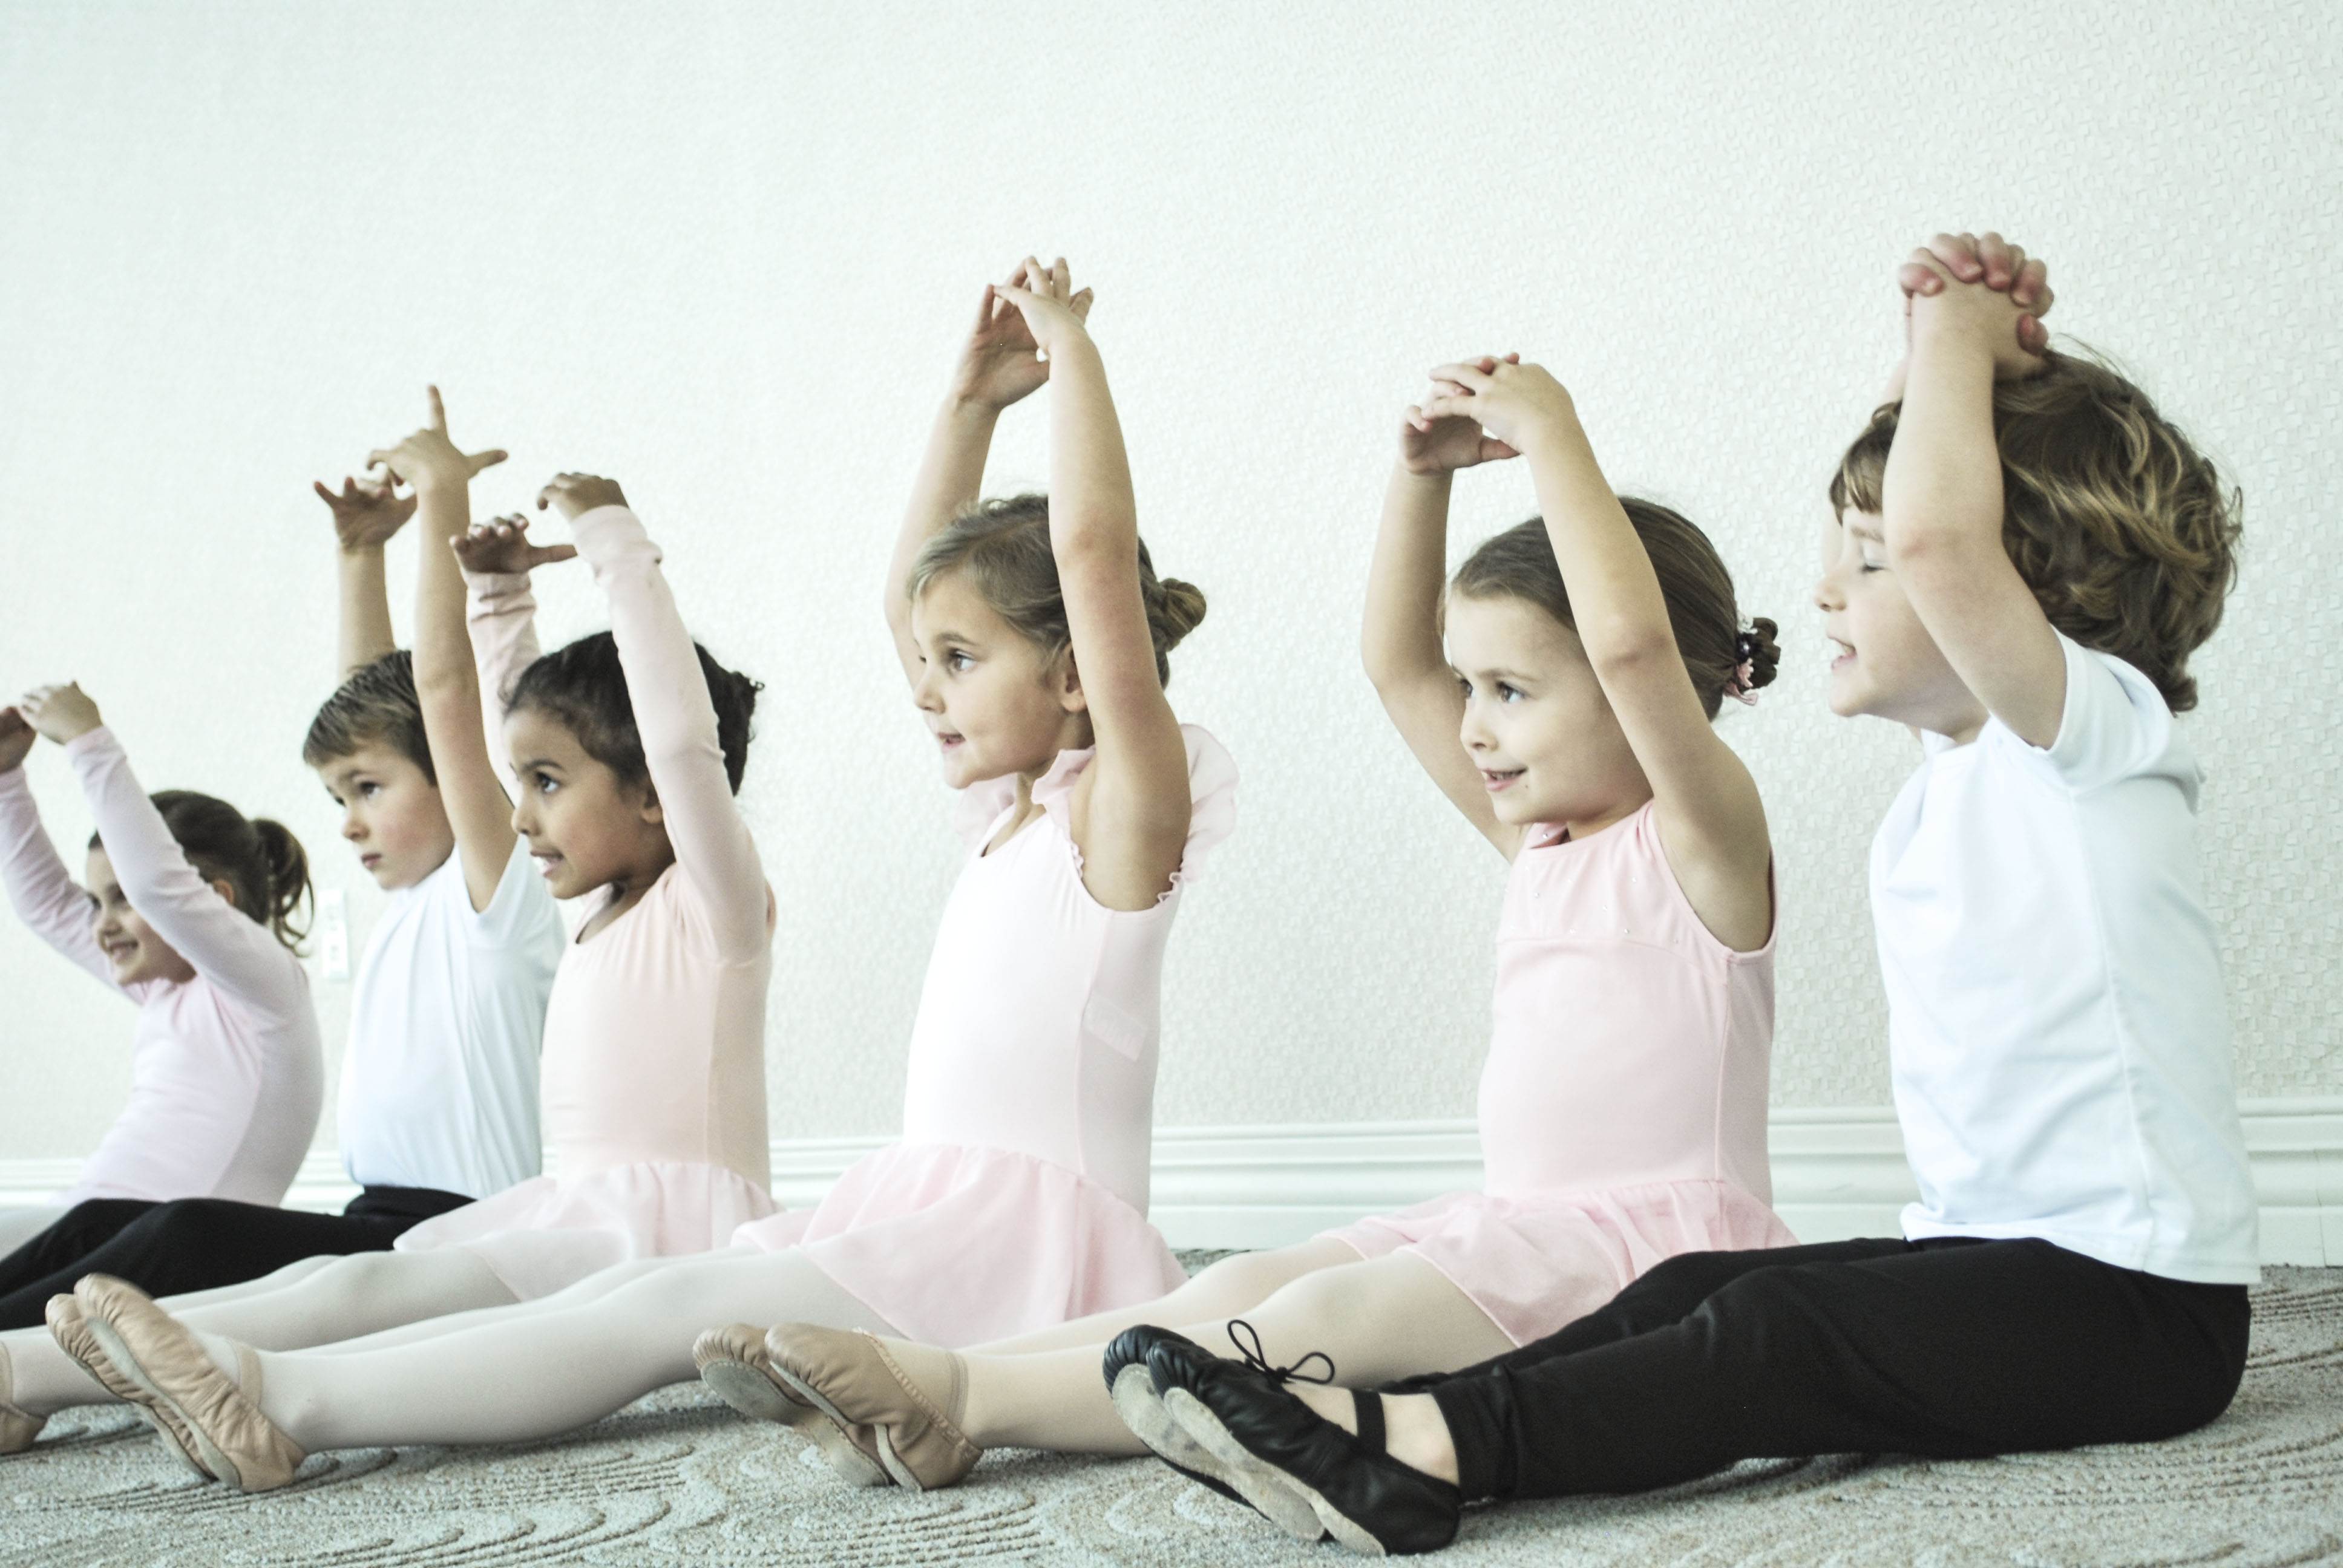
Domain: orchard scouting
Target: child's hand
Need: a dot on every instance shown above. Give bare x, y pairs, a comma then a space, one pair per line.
1430, 445
1986, 286
1044, 297
501, 545
16, 737
1512, 402
63, 713
366, 514
577, 493
428, 459
1001, 363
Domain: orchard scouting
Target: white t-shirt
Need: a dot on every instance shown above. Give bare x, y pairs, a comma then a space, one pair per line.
2057, 1030
439, 1083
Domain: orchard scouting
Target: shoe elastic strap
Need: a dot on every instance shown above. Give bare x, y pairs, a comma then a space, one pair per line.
1367, 1406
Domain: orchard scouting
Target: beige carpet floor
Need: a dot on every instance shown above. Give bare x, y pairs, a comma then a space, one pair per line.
679, 1479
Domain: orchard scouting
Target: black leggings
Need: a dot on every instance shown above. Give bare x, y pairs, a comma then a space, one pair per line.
1951, 1349
197, 1243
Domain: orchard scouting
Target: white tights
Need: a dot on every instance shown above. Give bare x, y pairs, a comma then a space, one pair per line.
542, 1367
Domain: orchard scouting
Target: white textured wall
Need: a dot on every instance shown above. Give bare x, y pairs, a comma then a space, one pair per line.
723, 253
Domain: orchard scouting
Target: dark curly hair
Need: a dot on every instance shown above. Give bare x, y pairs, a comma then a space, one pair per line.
1710, 635
2121, 527
1003, 548
583, 689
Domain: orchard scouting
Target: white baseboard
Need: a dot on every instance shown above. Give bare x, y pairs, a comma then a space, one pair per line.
1839, 1172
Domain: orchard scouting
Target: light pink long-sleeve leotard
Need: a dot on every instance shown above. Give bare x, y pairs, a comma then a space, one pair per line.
226, 1077
1017, 1198
654, 1065
1622, 1103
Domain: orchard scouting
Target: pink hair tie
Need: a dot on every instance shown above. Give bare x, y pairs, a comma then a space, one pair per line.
1742, 687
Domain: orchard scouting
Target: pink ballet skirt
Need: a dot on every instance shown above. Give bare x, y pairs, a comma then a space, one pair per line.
547, 1233
1536, 1264
1018, 1243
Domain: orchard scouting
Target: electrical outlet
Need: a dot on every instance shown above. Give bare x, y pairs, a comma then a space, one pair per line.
333, 935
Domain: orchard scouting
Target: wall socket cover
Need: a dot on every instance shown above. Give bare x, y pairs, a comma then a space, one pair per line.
333, 935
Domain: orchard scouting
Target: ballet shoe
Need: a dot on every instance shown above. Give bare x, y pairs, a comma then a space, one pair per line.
853, 1380
733, 1361
1131, 1385
17, 1427
1368, 1501
70, 1329
232, 1438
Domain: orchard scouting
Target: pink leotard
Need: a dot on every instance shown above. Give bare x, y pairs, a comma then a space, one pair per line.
1018, 1196
1622, 1103
226, 1075
654, 1067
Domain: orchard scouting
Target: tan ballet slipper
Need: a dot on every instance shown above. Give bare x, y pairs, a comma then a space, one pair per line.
233, 1439
733, 1361
17, 1427
69, 1328
853, 1380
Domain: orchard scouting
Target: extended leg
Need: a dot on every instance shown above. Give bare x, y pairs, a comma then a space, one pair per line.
543, 1367
1233, 1285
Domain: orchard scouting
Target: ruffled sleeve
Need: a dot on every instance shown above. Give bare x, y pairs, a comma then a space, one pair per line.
1212, 789
978, 808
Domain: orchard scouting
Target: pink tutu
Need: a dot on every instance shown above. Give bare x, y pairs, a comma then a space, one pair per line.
959, 1246
1535, 1264
550, 1232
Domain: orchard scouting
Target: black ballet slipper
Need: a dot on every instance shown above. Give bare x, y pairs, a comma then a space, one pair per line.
1267, 1438
1131, 1384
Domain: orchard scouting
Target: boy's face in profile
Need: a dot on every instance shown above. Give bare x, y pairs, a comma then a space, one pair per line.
1886, 664
391, 814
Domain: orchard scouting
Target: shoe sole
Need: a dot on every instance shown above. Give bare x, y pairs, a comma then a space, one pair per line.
182, 1436
1264, 1484
830, 1435
749, 1390
1140, 1407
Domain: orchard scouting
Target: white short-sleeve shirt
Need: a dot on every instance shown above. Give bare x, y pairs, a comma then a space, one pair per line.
439, 1083
2058, 1036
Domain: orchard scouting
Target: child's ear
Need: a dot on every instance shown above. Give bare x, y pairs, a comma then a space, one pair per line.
226, 890
649, 809
1069, 682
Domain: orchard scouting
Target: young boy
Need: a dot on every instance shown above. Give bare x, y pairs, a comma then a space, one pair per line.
2025, 556
438, 1095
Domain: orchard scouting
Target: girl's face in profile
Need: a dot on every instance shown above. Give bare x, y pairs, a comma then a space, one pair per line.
586, 828
1536, 723
995, 704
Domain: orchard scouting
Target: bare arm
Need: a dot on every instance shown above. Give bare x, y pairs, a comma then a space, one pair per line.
365, 516
1942, 502
1132, 805
1400, 643
471, 788
1711, 820
998, 365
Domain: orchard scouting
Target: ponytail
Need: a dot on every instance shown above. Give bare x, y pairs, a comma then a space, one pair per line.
264, 865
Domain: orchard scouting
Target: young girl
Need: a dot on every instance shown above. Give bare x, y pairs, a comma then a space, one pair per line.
1036, 637
1623, 1105
628, 746
188, 912
2019, 572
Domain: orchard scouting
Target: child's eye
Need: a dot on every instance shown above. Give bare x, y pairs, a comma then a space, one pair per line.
959, 661
546, 786
1507, 693
370, 790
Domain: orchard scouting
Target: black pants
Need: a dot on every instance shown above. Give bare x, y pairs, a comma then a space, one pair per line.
197, 1243
1952, 1348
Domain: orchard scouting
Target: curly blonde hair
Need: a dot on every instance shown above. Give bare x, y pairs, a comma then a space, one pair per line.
2121, 527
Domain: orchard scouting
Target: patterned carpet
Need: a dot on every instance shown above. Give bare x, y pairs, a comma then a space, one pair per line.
678, 1479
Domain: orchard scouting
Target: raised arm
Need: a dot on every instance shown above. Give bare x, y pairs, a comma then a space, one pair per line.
471, 785
1000, 364
227, 947
40, 889
1710, 817
1941, 497
1131, 807
365, 516
673, 714
1401, 640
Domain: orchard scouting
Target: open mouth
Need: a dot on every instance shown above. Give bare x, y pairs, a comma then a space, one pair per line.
1842, 654
120, 952
949, 740
548, 865
1498, 779
370, 859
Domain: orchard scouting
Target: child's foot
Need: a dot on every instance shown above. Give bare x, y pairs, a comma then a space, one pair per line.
17, 1427
70, 1329
1269, 1436
175, 1375
1130, 1382
734, 1363
852, 1379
